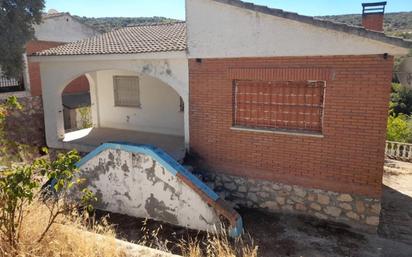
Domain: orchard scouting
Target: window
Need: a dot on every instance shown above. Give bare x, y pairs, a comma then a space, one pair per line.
126, 91
279, 105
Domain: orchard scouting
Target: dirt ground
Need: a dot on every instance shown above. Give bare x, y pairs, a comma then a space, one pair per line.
301, 236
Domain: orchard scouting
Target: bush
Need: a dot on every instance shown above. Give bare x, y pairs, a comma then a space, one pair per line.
401, 99
399, 128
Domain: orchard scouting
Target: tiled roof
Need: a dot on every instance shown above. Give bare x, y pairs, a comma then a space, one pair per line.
356, 30
53, 15
145, 38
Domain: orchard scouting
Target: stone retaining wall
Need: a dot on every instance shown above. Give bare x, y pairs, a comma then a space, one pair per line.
357, 211
26, 126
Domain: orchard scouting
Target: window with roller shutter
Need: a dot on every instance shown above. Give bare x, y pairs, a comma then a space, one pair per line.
279, 105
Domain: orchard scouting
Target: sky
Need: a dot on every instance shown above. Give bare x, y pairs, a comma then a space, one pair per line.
176, 8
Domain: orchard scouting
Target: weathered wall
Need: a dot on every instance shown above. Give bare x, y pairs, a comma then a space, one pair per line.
218, 30
159, 111
138, 185
63, 28
26, 126
349, 155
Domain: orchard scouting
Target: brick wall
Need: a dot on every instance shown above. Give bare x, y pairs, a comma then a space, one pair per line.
348, 158
373, 22
80, 84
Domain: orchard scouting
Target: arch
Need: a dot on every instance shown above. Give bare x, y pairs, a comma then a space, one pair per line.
164, 75
76, 101
56, 75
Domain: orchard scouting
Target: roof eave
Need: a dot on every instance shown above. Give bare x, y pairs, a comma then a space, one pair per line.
111, 57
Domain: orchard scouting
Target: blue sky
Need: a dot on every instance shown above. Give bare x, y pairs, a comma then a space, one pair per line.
175, 8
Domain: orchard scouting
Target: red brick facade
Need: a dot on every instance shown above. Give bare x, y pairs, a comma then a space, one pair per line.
80, 84
348, 157
373, 21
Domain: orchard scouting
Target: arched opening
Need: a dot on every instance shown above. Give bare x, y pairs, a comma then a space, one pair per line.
126, 106
76, 103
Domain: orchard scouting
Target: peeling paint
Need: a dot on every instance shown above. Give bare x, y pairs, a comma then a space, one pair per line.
158, 210
139, 185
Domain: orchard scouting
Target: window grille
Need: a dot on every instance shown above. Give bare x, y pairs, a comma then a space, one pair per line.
280, 105
126, 91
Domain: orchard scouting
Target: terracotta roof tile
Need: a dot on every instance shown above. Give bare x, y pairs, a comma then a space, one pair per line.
145, 38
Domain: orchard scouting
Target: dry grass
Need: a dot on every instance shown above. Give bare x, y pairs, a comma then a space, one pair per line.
218, 246
203, 245
65, 240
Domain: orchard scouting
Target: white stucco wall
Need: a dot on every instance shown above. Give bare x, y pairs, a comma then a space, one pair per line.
217, 30
56, 73
159, 111
63, 29
140, 186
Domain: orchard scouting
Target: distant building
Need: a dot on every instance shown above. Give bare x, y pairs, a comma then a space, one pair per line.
56, 29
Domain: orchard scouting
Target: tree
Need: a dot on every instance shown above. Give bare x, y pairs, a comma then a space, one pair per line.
401, 99
17, 18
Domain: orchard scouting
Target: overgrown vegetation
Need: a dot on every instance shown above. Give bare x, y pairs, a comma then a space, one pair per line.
399, 120
85, 117
41, 185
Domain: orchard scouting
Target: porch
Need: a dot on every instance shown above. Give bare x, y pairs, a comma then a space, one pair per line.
86, 140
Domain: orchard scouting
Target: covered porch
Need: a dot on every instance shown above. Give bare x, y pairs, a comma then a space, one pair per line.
138, 95
86, 140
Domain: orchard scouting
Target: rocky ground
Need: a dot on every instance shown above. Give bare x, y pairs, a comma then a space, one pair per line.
295, 235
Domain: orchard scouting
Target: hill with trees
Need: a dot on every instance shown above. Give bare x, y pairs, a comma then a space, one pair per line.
396, 24
106, 24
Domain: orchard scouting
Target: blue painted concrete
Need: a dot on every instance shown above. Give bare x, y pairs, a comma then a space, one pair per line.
238, 229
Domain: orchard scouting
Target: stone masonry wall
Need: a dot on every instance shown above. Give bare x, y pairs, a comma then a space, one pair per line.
357, 211
26, 126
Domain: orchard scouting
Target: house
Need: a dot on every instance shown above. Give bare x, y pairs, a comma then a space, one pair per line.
284, 112
56, 29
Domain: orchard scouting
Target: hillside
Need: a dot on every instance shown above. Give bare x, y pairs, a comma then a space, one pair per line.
397, 24
108, 23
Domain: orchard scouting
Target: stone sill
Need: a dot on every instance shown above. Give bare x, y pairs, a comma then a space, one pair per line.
281, 132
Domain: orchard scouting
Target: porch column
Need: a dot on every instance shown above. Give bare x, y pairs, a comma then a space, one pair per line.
52, 84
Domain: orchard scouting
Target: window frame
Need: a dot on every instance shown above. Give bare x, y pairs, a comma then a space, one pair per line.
116, 91
278, 130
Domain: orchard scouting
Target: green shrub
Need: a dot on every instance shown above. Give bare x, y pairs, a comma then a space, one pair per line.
399, 128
